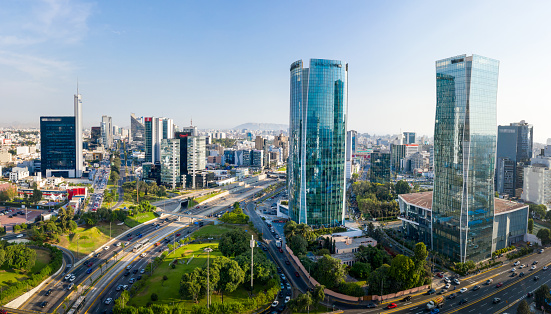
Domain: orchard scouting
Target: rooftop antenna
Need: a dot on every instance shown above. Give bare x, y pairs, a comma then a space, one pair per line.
191, 122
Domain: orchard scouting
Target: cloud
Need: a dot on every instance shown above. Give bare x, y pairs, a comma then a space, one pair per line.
35, 67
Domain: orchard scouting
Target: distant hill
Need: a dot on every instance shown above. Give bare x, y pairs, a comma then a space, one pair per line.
262, 126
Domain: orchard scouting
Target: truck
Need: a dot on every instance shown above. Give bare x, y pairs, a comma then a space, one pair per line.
434, 303
278, 243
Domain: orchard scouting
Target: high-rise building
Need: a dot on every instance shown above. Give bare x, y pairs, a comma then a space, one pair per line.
79, 162
317, 142
95, 136
397, 154
537, 181
409, 137
282, 141
196, 162
464, 157
168, 128
107, 131
58, 148
170, 162
379, 172
514, 145
259, 142
151, 127
137, 129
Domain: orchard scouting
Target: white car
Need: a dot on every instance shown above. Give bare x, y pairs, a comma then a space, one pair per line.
544, 268
533, 267
106, 247
287, 299
275, 303
108, 301
73, 277
463, 290
513, 270
516, 263
456, 281
143, 254
68, 276
20, 235
447, 280
119, 244
447, 286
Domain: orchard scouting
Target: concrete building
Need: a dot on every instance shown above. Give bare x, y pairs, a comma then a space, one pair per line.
107, 131
409, 137
537, 181
379, 171
170, 162
137, 130
79, 162
18, 173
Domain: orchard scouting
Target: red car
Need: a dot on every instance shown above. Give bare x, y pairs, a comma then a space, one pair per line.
499, 285
178, 234
440, 275
297, 274
391, 306
280, 250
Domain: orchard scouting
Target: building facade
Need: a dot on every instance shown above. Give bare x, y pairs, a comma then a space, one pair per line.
317, 142
537, 181
107, 131
137, 130
379, 172
170, 162
464, 157
58, 146
79, 162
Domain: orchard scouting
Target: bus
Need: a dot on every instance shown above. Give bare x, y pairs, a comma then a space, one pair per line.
139, 245
77, 305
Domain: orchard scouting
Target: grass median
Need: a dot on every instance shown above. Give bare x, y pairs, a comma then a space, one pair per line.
133, 221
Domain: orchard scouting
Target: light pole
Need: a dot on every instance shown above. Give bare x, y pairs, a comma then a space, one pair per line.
252, 250
208, 250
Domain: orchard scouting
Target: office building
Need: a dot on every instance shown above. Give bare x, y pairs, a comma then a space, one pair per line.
379, 172
168, 128
58, 147
514, 145
409, 137
317, 142
259, 142
79, 162
196, 162
107, 131
137, 130
464, 157
156, 129
95, 137
170, 162
257, 158
537, 181
509, 221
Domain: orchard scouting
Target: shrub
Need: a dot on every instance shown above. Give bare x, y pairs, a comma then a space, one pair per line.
154, 297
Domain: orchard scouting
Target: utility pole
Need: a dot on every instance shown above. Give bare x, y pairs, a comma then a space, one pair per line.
110, 229
208, 250
252, 251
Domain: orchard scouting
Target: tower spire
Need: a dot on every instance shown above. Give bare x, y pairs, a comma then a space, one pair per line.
191, 122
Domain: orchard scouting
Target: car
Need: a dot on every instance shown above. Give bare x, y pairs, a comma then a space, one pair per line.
280, 250
434, 311
68, 276
139, 277
97, 254
19, 236
463, 301
128, 267
108, 300
119, 288
106, 247
442, 291
439, 275
496, 300
73, 277
463, 290
516, 263
143, 254
264, 248
540, 251
392, 306
371, 305
279, 270
89, 270
48, 292
533, 267
451, 296
522, 266
282, 277
297, 274
287, 299
287, 262
456, 281
281, 286
408, 298
447, 286
70, 286
142, 271
534, 262
521, 274
513, 274
431, 291
127, 273
43, 304
447, 280
536, 278
125, 287
178, 234
126, 243
275, 303
513, 270
529, 294
544, 267
118, 244
499, 284
135, 271
489, 281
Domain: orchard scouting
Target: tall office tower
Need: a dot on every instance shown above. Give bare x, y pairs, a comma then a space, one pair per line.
259, 143
350, 151
196, 161
167, 127
283, 142
79, 162
317, 142
107, 131
58, 148
151, 128
397, 154
409, 137
137, 129
95, 136
192, 130
379, 171
514, 148
464, 157
170, 162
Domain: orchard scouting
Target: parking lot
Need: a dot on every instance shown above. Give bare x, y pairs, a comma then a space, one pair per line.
8, 222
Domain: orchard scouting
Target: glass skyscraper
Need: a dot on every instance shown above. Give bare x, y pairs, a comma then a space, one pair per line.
58, 148
464, 157
317, 142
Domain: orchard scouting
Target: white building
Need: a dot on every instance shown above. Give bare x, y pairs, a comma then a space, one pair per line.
18, 173
537, 181
170, 162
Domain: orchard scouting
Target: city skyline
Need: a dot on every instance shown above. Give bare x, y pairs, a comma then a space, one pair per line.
191, 57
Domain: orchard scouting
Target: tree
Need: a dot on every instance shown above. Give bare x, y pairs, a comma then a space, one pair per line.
538, 210
190, 285
402, 187
298, 245
319, 294
544, 235
2, 256
360, 270
122, 299
165, 278
523, 307
420, 254
330, 272
542, 294
231, 275
531, 225
154, 297
380, 280
37, 195
234, 243
301, 303
263, 270
404, 272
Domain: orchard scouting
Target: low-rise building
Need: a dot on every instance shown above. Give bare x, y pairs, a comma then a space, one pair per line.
18, 173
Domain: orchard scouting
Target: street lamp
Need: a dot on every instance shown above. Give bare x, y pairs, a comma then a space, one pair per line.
252, 250
208, 250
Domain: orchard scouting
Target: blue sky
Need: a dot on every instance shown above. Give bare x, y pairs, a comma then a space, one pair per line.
227, 62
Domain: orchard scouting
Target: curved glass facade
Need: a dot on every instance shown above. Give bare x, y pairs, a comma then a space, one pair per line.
317, 140
464, 157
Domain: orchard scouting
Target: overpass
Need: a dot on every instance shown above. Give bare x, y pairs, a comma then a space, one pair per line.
184, 215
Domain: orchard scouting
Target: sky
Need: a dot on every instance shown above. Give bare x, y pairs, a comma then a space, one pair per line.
224, 63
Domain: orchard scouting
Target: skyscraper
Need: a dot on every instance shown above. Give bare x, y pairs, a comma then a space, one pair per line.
409, 137
58, 146
514, 150
79, 162
379, 172
317, 142
464, 157
107, 131
137, 129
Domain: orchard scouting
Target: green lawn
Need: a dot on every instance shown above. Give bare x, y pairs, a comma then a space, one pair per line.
218, 230
9, 276
42, 259
139, 219
206, 197
89, 239
537, 227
